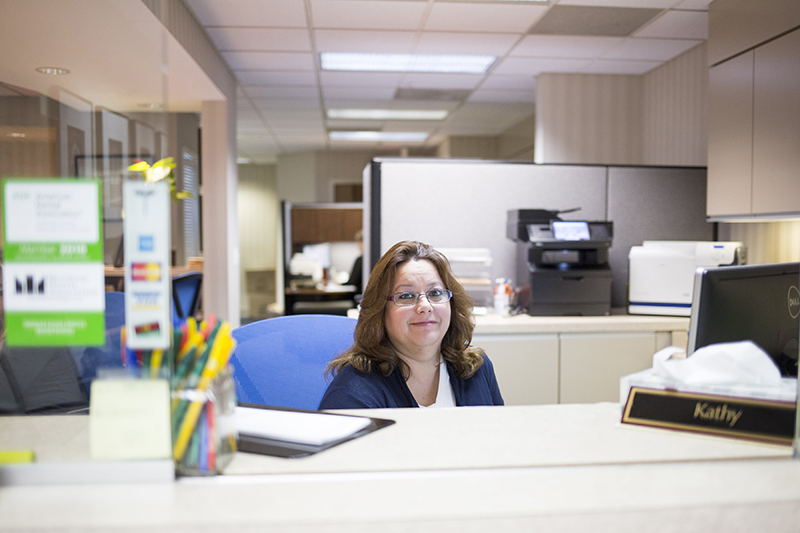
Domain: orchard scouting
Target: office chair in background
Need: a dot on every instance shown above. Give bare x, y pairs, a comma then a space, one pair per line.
185, 295
281, 361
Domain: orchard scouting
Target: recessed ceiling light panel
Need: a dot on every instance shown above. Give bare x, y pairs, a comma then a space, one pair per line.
406, 62
387, 114
53, 71
378, 136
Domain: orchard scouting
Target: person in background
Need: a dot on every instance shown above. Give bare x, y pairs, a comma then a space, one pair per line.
412, 340
357, 272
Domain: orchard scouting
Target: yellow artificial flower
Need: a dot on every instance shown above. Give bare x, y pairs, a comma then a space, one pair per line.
161, 170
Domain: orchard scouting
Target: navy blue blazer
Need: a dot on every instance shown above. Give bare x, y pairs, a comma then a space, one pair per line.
353, 389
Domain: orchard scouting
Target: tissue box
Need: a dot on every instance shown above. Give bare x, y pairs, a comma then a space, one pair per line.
765, 414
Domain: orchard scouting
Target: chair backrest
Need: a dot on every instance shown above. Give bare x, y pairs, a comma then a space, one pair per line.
185, 295
281, 361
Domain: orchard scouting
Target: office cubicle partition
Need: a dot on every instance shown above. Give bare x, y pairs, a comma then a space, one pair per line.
464, 204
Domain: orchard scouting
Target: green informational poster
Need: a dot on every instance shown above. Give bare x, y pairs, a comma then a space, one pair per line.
53, 277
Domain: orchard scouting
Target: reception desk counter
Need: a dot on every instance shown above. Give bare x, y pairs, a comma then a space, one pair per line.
557, 467
493, 324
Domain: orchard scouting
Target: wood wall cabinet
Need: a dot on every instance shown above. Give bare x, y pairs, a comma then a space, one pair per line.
316, 225
738, 25
754, 131
526, 366
776, 126
730, 137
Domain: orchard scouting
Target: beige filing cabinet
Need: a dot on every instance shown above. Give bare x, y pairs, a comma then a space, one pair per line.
544, 360
526, 366
593, 363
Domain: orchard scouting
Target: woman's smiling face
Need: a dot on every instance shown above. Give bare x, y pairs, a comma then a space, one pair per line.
417, 331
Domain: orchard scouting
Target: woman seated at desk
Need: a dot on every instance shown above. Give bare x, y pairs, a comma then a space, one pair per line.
412, 340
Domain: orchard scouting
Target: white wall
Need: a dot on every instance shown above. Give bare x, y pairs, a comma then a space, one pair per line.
516, 143
296, 178
331, 168
259, 222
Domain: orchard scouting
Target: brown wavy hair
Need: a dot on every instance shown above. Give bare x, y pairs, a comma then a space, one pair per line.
372, 349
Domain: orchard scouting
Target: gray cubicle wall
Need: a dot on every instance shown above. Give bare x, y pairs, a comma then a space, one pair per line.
464, 204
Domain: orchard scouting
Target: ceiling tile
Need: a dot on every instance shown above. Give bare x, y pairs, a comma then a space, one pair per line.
701, 5
602, 66
491, 95
356, 93
495, 44
379, 42
418, 80
511, 83
276, 77
651, 49
367, 15
486, 118
411, 125
593, 20
484, 18
264, 39
299, 107
282, 91
329, 78
354, 124
678, 25
332, 103
532, 66
276, 13
663, 4
269, 60
584, 47
261, 145
303, 137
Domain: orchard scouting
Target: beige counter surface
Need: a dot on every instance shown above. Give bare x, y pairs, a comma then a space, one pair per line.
532, 468
443, 439
496, 324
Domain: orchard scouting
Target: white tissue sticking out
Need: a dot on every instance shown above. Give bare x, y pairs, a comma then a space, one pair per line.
729, 363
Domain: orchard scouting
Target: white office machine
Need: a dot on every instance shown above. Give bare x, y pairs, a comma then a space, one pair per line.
661, 273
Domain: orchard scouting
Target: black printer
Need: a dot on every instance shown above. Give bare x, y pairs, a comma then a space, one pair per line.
562, 265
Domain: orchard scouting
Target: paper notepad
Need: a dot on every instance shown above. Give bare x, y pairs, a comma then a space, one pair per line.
313, 429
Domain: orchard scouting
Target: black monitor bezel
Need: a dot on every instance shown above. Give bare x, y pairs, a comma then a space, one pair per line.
723, 273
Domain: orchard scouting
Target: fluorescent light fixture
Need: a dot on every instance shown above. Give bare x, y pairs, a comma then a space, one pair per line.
243, 161
151, 105
55, 71
16, 135
389, 136
387, 114
406, 62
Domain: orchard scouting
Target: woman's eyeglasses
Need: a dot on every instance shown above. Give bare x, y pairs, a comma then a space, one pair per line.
434, 296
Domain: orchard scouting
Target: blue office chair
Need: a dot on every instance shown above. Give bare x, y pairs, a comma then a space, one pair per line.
281, 361
185, 295
91, 359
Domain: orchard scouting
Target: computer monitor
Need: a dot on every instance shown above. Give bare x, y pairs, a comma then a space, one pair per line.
760, 303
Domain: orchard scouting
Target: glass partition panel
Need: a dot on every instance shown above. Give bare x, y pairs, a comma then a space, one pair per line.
86, 91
